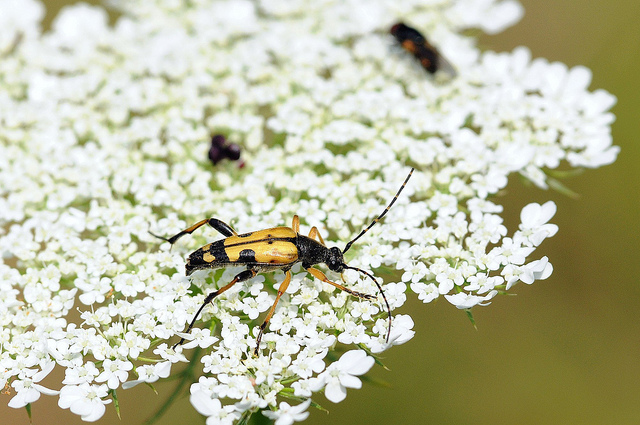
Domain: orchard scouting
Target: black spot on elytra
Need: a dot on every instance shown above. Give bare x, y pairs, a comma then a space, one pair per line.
247, 256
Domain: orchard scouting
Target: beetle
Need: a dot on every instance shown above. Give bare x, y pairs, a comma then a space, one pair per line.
277, 248
415, 43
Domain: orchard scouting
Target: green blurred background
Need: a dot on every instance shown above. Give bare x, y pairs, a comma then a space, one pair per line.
563, 351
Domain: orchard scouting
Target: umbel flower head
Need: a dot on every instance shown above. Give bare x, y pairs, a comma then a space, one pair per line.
104, 135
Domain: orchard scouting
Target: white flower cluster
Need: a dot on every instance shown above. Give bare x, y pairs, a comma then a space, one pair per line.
103, 136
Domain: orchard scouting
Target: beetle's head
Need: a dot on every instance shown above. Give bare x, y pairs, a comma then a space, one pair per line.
335, 260
396, 29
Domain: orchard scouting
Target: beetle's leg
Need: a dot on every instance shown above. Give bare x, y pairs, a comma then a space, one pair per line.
318, 274
295, 225
283, 287
315, 234
222, 227
240, 277
219, 225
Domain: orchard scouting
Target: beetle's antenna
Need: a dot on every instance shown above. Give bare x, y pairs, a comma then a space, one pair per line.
381, 292
348, 245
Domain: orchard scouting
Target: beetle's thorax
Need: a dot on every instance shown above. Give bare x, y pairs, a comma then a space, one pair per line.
312, 252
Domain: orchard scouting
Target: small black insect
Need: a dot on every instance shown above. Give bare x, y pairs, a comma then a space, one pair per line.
220, 150
415, 43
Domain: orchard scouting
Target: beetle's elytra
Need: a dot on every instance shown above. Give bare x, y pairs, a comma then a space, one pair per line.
278, 248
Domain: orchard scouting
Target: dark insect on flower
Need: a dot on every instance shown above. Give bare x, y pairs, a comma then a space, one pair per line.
415, 43
220, 150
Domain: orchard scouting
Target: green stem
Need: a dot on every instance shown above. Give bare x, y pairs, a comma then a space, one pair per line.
116, 403
186, 376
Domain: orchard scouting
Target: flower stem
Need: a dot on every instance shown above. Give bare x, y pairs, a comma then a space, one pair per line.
186, 376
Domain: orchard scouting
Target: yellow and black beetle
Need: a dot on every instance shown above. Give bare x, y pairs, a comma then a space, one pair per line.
269, 250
